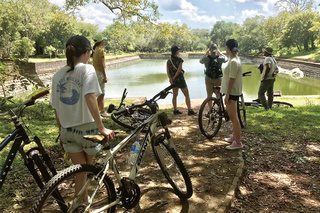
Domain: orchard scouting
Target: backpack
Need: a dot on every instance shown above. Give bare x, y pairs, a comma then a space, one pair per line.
214, 68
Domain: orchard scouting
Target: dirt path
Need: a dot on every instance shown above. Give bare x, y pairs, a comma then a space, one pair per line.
212, 168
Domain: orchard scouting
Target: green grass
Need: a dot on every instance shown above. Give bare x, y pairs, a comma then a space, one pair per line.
280, 126
284, 124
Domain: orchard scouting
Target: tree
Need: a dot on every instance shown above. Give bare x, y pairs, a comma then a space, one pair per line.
50, 49
222, 31
273, 29
250, 35
293, 6
296, 32
145, 10
24, 47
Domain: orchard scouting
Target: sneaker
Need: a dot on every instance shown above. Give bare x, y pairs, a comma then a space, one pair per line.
177, 112
229, 140
235, 146
104, 114
191, 112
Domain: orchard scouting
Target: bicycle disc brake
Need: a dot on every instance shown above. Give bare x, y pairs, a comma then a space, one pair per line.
130, 193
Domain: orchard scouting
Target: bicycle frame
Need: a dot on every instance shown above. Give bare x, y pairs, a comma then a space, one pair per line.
20, 138
154, 122
18, 135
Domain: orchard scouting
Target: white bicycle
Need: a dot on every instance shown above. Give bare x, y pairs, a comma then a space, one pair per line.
99, 187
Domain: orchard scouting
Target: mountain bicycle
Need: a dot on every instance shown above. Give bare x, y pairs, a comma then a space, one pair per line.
210, 118
36, 159
132, 118
256, 103
102, 196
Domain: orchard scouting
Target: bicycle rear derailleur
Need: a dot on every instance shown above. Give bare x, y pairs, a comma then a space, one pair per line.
129, 193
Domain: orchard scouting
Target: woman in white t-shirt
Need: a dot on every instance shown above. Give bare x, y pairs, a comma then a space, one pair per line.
73, 97
231, 86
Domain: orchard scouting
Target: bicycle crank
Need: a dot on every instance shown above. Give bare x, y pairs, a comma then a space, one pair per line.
130, 193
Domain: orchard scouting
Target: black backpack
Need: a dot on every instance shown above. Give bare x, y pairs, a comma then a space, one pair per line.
214, 68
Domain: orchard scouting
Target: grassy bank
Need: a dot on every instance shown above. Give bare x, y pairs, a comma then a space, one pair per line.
281, 126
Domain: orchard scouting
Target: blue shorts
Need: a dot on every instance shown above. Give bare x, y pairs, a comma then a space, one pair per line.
73, 141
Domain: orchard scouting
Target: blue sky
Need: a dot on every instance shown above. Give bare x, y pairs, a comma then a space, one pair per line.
197, 14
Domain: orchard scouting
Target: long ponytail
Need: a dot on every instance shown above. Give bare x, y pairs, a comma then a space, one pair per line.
71, 54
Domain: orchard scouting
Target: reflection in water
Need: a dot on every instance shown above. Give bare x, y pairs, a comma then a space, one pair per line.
148, 77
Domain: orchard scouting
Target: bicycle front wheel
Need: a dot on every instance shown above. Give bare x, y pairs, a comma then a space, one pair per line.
281, 104
241, 108
172, 166
131, 120
210, 118
63, 184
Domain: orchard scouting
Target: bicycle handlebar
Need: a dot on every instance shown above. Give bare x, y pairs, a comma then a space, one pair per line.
28, 102
163, 94
246, 73
40, 94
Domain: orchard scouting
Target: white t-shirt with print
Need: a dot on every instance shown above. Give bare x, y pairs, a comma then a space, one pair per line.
269, 60
232, 70
68, 94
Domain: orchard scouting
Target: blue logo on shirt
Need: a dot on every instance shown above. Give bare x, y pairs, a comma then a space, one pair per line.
69, 90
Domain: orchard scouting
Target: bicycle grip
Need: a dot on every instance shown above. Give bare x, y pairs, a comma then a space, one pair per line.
40, 94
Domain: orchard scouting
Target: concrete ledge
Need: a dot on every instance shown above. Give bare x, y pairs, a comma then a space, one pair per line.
226, 203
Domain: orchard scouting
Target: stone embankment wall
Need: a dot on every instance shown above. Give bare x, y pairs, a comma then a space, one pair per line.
43, 72
310, 68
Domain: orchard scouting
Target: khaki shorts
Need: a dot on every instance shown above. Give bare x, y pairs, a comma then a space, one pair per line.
210, 83
73, 141
101, 81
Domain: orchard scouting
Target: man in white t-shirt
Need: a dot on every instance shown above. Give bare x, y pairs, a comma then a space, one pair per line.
269, 72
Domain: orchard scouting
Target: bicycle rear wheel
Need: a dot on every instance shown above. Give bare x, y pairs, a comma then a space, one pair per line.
172, 166
281, 104
131, 120
242, 111
210, 118
63, 184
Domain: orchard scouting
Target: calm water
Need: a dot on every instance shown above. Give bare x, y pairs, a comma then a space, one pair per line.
148, 77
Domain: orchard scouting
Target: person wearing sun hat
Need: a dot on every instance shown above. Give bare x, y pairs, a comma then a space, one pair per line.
99, 64
73, 98
269, 72
231, 86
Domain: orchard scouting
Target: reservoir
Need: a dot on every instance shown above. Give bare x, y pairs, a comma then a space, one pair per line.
146, 78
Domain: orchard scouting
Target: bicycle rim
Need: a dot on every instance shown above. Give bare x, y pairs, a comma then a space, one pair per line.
172, 167
131, 121
58, 194
281, 104
242, 112
210, 118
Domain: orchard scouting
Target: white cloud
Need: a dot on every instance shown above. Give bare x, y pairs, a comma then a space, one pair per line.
227, 17
248, 14
242, 1
60, 3
97, 14
267, 6
188, 10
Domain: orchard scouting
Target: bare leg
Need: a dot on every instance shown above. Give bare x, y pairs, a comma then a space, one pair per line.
174, 97
185, 91
81, 158
100, 101
233, 115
